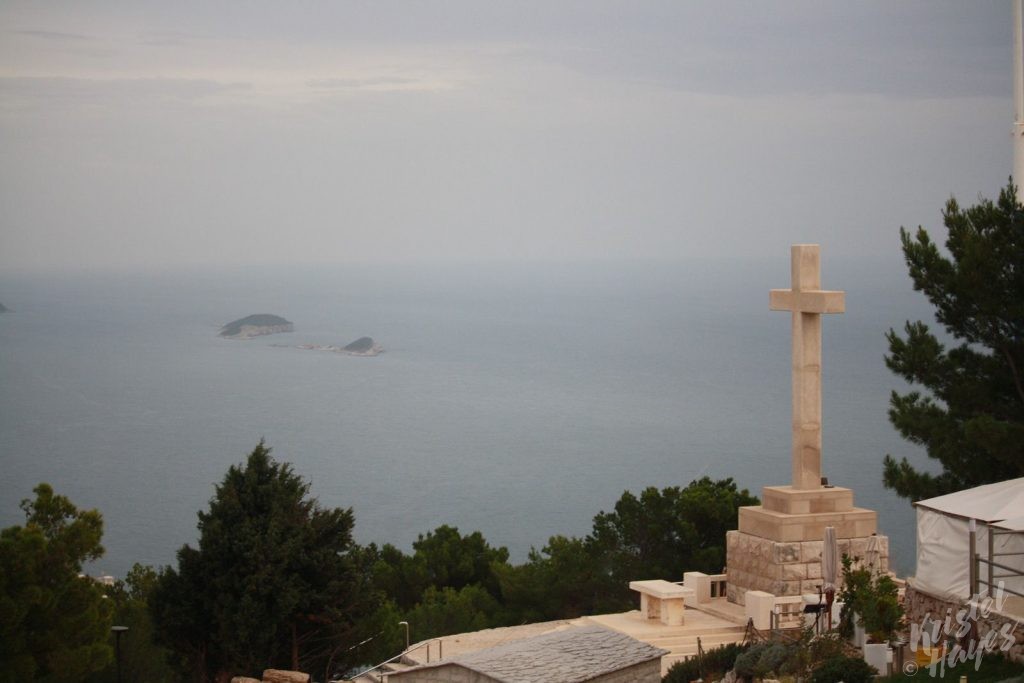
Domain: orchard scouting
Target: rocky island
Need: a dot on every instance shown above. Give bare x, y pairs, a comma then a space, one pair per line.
364, 346
256, 326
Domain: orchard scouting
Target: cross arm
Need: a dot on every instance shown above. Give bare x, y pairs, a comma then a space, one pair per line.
807, 301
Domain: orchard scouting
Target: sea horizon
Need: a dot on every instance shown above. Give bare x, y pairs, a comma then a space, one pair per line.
515, 399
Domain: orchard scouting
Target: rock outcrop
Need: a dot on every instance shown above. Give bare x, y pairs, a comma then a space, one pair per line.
364, 346
256, 325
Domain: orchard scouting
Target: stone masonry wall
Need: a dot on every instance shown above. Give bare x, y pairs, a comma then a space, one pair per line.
784, 568
919, 604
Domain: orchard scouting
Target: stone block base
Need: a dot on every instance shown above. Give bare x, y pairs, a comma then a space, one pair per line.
785, 567
805, 501
761, 521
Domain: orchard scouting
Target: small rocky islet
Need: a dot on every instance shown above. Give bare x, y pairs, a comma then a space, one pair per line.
256, 325
364, 346
260, 324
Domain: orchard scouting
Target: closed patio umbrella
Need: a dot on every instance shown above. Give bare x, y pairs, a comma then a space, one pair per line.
829, 570
872, 555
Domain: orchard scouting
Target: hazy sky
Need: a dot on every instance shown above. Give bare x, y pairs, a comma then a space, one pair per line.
140, 134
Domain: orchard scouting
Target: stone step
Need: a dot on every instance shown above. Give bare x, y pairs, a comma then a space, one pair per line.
687, 643
713, 610
682, 631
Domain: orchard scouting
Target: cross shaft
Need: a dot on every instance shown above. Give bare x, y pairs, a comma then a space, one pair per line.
807, 302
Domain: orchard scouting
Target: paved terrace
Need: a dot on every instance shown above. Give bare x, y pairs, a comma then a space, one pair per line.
715, 622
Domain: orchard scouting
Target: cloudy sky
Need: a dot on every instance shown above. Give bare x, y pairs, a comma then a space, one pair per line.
159, 134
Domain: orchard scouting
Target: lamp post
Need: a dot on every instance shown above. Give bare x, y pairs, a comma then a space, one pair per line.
118, 630
406, 625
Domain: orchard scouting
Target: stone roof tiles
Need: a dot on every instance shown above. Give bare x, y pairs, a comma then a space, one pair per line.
566, 656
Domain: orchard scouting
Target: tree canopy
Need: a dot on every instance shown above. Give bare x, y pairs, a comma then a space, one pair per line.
454, 583
970, 416
274, 582
54, 623
443, 558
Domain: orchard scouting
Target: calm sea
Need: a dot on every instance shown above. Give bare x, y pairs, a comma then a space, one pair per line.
515, 400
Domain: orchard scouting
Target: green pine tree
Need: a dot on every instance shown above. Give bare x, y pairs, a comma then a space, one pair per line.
970, 418
274, 583
54, 623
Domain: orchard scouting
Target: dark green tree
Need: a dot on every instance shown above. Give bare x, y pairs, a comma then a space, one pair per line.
565, 580
141, 658
444, 611
659, 534
276, 581
970, 418
54, 624
442, 558
663, 533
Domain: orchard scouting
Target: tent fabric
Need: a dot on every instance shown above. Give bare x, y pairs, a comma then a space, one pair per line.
942, 553
943, 541
987, 503
1015, 524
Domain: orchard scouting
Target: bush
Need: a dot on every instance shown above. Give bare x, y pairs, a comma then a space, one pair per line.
763, 659
811, 649
844, 670
874, 598
716, 662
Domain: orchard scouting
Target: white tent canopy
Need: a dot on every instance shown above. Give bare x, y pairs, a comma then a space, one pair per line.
943, 556
1015, 524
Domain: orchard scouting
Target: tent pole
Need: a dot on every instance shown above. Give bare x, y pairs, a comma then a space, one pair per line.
973, 554
991, 555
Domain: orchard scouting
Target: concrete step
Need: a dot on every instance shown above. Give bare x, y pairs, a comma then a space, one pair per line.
712, 609
687, 643
702, 630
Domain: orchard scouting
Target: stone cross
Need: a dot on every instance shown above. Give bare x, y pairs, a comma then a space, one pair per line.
807, 301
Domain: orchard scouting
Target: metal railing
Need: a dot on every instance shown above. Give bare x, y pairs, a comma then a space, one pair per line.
417, 646
990, 583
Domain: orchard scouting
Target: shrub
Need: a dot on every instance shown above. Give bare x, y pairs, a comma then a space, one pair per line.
811, 649
763, 659
874, 598
844, 670
716, 662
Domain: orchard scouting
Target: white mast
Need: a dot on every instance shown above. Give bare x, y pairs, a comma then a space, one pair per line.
1018, 99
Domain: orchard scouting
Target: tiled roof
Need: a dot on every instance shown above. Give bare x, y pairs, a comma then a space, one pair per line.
568, 656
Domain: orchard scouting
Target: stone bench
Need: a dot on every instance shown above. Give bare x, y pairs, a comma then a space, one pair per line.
662, 600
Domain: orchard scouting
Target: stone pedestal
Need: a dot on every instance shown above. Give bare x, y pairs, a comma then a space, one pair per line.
789, 514
777, 548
